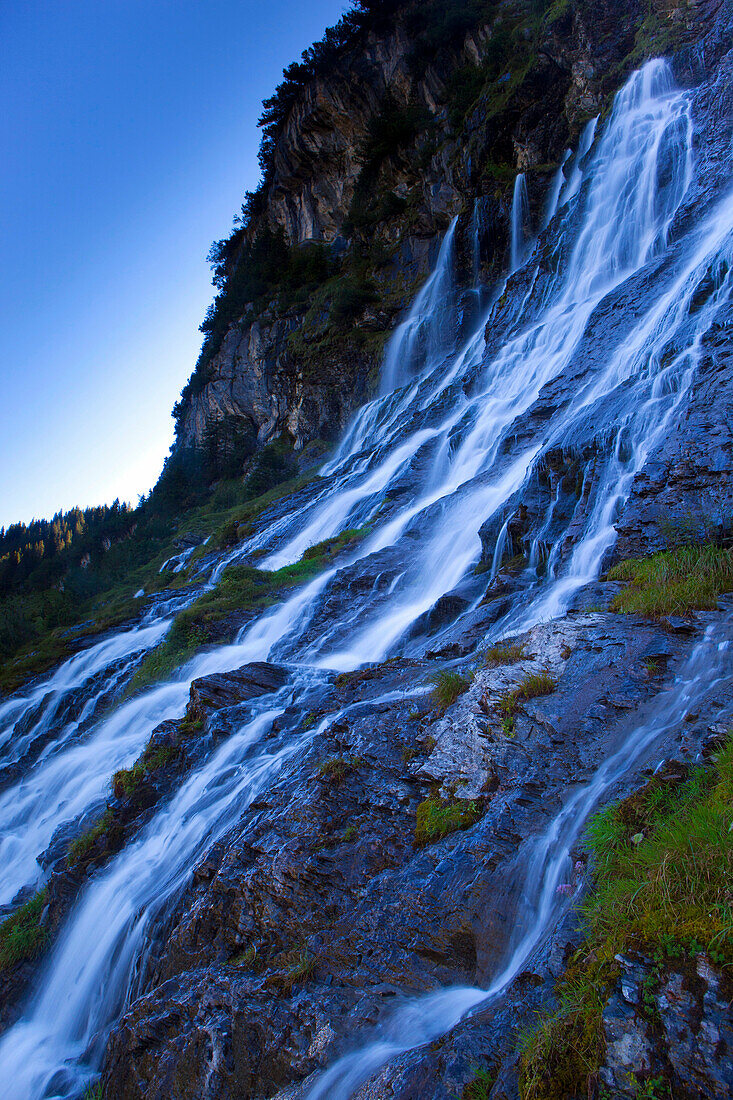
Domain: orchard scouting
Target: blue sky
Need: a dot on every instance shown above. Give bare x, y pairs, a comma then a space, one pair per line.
128, 130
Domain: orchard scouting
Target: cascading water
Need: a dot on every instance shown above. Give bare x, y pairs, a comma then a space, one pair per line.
546, 862
449, 445
519, 220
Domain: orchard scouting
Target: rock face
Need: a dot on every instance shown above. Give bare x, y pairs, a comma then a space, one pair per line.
398, 844
307, 924
689, 1038
380, 198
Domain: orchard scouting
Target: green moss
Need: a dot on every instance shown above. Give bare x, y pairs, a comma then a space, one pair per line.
83, 845
336, 768
448, 686
674, 582
21, 934
663, 861
438, 817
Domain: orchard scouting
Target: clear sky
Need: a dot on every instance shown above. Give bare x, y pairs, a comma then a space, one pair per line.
128, 136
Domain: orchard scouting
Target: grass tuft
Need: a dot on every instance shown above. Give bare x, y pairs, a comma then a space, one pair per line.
533, 686
447, 687
500, 654
674, 582
438, 817
481, 1086
336, 768
21, 934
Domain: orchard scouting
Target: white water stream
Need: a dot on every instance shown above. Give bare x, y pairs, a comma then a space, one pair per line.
449, 444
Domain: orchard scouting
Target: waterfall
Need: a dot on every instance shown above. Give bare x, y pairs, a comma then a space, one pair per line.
575, 179
519, 221
423, 333
547, 863
553, 196
450, 444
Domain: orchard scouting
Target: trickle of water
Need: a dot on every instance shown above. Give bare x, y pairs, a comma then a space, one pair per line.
519, 223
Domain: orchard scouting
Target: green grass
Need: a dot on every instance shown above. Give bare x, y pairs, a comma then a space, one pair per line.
481, 1086
663, 861
674, 582
247, 958
242, 588
335, 769
83, 845
447, 687
94, 1092
533, 686
21, 935
299, 967
126, 781
438, 817
503, 654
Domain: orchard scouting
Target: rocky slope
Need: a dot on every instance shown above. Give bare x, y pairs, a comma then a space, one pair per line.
406, 129
295, 882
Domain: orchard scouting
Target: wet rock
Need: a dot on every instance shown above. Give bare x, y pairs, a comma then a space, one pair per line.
325, 869
213, 693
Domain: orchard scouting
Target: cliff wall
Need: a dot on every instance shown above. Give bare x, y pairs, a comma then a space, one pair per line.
411, 125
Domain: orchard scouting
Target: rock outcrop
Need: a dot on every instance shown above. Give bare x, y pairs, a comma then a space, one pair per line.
373, 159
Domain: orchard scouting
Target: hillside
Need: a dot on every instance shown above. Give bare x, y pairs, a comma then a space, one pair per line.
384, 751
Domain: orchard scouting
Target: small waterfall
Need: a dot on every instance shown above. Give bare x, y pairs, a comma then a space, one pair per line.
556, 186
576, 176
450, 444
476, 240
423, 334
546, 863
519, 222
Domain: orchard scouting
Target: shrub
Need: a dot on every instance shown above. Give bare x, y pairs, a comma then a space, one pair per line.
438, 817
21, 934
448, 686
674, 582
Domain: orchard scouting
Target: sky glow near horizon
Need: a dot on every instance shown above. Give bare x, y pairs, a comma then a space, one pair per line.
129, 136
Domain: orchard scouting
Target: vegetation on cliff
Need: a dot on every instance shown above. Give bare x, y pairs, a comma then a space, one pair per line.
241, 590
63, 580
674, 582
22, 935
662, 866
